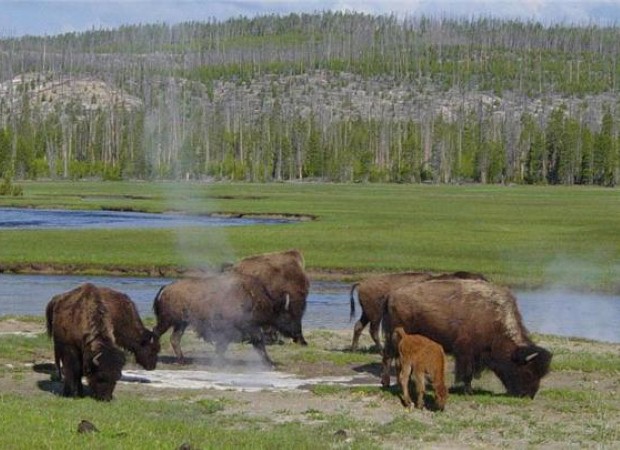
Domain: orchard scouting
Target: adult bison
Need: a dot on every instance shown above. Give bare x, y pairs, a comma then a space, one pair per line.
372, 292
81, 327
284, 278
129, 330
476, 321
222, 308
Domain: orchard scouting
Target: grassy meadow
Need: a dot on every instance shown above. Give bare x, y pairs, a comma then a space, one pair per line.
517, 235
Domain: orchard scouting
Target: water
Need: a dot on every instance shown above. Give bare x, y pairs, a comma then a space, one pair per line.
592, 316
18, 218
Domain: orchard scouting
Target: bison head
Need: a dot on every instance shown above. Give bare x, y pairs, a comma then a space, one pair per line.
288, 321
103, 370
521, 374
147, 350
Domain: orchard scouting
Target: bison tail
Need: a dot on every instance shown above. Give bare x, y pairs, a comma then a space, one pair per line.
49, 318
353, 301
156, 305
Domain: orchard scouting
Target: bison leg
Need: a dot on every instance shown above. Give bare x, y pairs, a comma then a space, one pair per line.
403, 380
420, 388
389, 353
175, 341
374, 333
300, 340
464, 372
439, 387
220, 349
357, 331
388, 356
72, 374
258, 342
58, 375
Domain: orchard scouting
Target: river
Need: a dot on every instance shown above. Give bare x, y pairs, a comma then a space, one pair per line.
20, 218
592, 316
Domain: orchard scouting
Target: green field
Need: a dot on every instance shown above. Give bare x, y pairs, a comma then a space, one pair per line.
517, 235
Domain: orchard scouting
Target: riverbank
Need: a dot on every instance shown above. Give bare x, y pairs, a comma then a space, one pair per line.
341, 406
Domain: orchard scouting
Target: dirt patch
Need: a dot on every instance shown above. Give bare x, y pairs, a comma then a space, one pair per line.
15, 326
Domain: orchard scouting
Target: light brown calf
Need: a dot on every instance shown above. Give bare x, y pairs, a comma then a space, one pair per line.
419, 355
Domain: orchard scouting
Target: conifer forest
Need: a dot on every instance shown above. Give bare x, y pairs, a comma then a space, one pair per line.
337, 97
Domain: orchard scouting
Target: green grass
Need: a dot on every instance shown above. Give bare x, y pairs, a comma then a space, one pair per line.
519, 235
132, 422
586, 362
142, 417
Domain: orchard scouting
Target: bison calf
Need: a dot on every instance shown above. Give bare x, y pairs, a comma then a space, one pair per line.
420, 356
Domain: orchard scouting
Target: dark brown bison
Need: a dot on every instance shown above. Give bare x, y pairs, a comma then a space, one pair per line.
372, 292
222, 308
476, 321
81, 328
419, 356
129, 331
285, 280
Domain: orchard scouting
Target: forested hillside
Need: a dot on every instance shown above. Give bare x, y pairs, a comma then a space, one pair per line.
328, 96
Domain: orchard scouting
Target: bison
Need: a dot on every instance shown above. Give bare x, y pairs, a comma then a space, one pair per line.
476, 321
285, 280
129, 331
221, 309
372, 292
81, 327
420, 356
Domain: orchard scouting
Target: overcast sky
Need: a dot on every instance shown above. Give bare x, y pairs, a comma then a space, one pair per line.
48, 17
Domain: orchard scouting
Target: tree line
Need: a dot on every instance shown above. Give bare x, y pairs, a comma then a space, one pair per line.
332, 96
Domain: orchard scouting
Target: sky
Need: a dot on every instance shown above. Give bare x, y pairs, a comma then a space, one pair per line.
50, 17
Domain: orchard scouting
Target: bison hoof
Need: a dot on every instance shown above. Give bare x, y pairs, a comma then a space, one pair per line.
385, 381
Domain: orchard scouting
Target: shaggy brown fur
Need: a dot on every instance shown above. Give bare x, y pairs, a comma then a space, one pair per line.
372, 293
129, 331
221, 308
420, 356
81, 328
285, 280
476, 321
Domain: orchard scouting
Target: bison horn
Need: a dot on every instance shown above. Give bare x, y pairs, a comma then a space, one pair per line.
531, 356
96, 359
287, 303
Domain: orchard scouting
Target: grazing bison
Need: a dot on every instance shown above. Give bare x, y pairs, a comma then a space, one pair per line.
221, 309
81, 327
476, 321
129, 331
285, 280
420, 356
372, 292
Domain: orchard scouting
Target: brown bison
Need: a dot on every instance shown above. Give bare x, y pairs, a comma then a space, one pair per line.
285, 280
372, 292
476, 321
81, 327
420, 356
129, 331
222, 308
